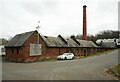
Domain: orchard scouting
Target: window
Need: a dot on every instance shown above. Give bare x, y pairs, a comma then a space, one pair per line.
17, 51
35, 49
2, 49
85, 52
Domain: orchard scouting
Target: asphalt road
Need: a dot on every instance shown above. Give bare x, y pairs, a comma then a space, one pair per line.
91, 68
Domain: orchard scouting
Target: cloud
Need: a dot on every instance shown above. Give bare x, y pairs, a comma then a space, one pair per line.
57, 16
41, 8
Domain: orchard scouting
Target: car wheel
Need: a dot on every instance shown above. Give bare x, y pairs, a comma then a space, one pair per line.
65, 58
72, 58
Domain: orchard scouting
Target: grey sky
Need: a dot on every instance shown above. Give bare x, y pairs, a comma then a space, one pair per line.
57, 16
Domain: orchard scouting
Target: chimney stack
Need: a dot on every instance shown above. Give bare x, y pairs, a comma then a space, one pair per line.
84, 37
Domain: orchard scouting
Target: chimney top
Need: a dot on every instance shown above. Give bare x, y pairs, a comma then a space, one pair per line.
84, 6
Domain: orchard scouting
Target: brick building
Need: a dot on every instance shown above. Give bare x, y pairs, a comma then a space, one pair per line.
31, 46
25, 47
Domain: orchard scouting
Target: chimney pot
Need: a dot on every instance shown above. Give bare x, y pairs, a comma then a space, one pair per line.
84, 6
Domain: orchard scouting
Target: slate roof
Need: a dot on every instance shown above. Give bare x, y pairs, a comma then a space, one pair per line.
54, 41
72, 43
59, 41
19, 39
85, 43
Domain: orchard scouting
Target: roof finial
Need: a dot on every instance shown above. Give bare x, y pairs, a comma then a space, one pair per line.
38, 31
38, 26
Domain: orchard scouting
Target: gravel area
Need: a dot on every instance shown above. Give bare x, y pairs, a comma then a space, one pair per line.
91, 68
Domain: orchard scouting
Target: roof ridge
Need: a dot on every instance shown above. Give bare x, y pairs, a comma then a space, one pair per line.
25, 32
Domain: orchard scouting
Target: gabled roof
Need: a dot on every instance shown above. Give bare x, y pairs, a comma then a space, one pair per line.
66, 42
19, 39
54, 41
59, 41
72, 43
85, 43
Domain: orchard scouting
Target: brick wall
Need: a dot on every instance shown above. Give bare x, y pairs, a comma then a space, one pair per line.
24, 51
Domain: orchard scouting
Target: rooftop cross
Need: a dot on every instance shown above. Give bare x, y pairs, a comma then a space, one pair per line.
38, 31
38, 26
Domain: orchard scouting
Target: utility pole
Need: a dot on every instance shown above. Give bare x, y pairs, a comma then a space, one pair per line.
38, 27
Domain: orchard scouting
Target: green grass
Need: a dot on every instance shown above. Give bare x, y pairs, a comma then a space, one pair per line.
97, 54
50, 59
116, 69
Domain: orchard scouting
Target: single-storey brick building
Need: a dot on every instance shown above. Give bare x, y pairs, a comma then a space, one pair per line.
109, 43
31, 46
26, 48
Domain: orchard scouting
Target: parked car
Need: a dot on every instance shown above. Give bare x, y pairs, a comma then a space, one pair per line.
66, 56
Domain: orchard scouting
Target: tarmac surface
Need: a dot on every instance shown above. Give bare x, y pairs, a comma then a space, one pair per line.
91, 68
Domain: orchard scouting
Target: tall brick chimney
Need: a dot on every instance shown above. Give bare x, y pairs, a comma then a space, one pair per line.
84, 37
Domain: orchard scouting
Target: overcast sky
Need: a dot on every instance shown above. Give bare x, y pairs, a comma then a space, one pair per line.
57, 16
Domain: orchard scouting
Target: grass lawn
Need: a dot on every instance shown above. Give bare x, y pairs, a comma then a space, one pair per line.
97, 54
116, 70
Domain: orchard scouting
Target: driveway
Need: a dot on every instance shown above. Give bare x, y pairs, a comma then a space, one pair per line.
91, 68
